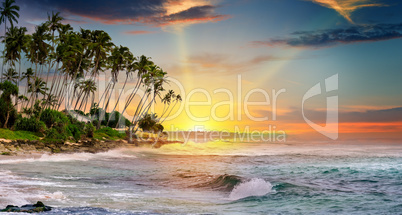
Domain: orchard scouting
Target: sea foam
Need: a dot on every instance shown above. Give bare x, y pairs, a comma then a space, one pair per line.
253, 187
117, 153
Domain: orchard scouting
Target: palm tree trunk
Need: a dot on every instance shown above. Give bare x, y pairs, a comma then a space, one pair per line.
117, 102
169, 112
2, 65
54, 80
139, 108
107, 103
8, 117
130, 98
78, 99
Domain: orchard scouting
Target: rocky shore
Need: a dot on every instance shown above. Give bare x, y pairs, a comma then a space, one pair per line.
23, 147
34, 208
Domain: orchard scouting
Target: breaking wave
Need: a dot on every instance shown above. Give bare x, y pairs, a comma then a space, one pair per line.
253, 187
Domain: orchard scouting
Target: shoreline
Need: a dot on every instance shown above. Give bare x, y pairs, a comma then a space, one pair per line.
29, 147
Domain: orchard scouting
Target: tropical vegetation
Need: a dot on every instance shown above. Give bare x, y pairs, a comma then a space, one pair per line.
63, 81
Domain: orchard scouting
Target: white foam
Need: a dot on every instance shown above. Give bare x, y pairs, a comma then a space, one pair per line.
254, 187
17, 190
118, 153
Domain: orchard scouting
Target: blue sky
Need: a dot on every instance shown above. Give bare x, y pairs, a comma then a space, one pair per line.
273, 44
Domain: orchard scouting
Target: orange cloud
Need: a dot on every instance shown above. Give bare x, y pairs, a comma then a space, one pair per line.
346, 7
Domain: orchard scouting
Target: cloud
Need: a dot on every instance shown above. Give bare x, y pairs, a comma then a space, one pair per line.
346, 7
229, 64
155, 13
331, 37
196, 14
138, 32
319, 116
384, 115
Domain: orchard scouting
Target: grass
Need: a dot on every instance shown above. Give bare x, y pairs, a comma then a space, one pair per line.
109, 134
101, 134
17, 135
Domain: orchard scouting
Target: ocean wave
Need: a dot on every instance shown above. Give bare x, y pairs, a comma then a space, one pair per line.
222, 183
118, 153
253, 187
18, 190
222, 148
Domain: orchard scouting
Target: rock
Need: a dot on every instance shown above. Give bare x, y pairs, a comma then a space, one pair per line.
11, 148
47, 149
5, 140
35, 208
40, 145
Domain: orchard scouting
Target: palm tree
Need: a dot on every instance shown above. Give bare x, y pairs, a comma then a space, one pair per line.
142, 66
49, 101
129, 66
72, 56
166, 100
27, 75
153, 80
11, 76
88, 87
8, 90
100, 45
38, 49
9, 12
177, 100
15, 40
117, 62
53, 23
38, 87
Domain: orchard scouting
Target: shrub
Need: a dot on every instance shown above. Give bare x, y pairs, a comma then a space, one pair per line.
53, 134
89, 130
147, 122
157, 128
108, 133
74, 131
30, 124
53, 118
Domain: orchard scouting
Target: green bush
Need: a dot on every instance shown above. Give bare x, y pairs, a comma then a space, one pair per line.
53, 118
30, 124
89, 130
108, 133
53, 134
74, 131
147, 122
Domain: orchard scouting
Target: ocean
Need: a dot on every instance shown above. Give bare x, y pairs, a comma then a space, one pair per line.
212, 178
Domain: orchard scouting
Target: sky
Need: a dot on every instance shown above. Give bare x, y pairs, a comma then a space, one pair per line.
229, 58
